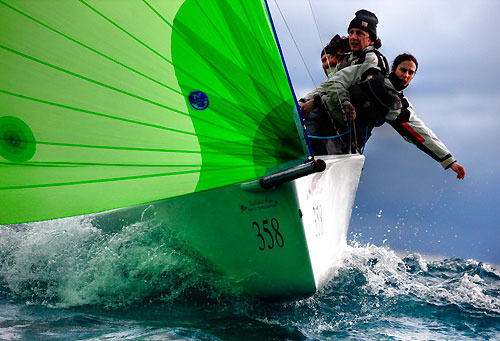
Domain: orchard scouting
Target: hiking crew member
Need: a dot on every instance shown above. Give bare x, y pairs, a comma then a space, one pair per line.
403, 119
334, 53
319, 124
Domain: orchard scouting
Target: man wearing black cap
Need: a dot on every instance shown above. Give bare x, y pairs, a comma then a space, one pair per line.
362, 30
363, 62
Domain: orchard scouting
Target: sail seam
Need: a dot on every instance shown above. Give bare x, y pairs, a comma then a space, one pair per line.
73, 164
126, 32
105, 85
96, 181
92, 49
69, 183
74, 74
95, 113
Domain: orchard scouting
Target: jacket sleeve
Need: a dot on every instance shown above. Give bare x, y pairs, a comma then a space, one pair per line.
412, 129
334, 93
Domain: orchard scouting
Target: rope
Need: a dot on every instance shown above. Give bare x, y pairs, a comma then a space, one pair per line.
336, 88
376, 97
351, 123
295, 43
364, 142
329, 137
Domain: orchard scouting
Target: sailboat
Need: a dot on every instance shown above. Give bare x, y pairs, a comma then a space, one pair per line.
183, 107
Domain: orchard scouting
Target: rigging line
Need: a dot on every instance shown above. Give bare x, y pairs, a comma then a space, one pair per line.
72, 165
317, 30
316, 23
330, 137
322, 44
296, 45
355, 136
91, 49
158, 14
215, 141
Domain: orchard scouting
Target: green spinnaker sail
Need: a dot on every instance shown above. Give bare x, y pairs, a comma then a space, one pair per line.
113, 103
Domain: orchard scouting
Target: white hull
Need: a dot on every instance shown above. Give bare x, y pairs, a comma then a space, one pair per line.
277, 243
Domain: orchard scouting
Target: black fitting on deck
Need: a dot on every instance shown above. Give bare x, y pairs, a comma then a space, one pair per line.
313, 166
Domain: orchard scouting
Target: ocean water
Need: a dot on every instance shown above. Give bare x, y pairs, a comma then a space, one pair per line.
67, 280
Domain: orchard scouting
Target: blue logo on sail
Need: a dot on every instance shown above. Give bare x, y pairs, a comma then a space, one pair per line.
198, 100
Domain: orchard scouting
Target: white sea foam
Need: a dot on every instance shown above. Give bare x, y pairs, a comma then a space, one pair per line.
69, 262
439, 282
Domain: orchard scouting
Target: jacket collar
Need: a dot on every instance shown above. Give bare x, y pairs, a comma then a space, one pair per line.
363, 51
396, 82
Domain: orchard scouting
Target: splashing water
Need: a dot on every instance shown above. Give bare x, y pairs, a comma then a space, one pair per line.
69, 262
141, 282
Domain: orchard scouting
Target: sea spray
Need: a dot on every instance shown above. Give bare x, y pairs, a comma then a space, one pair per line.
378, 293
141, 282
69, 262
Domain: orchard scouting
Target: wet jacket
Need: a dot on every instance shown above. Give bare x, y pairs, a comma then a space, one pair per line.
403, 119
333, 93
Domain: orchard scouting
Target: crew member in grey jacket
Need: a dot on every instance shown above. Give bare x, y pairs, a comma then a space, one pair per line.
403, 119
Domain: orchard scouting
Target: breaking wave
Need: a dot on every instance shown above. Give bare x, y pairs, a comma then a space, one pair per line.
143, 273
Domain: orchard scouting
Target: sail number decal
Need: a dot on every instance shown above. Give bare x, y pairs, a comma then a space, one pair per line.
268, 234
318, 220
198, 100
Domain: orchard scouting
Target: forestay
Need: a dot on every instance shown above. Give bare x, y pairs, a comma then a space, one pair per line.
106, 104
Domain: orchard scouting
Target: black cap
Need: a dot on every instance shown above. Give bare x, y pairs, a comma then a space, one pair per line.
366, 21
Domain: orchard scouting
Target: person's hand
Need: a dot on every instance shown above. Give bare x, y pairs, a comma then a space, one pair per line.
350, 111
459, 170
307, 107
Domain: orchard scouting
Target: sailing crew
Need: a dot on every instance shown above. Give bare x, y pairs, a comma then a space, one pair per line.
403, 119
334, 53
319, 124
364, 61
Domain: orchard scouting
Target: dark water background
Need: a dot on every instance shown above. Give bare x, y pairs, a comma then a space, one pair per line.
67, 280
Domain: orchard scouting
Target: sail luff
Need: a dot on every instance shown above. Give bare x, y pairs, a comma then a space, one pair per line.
299, 118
